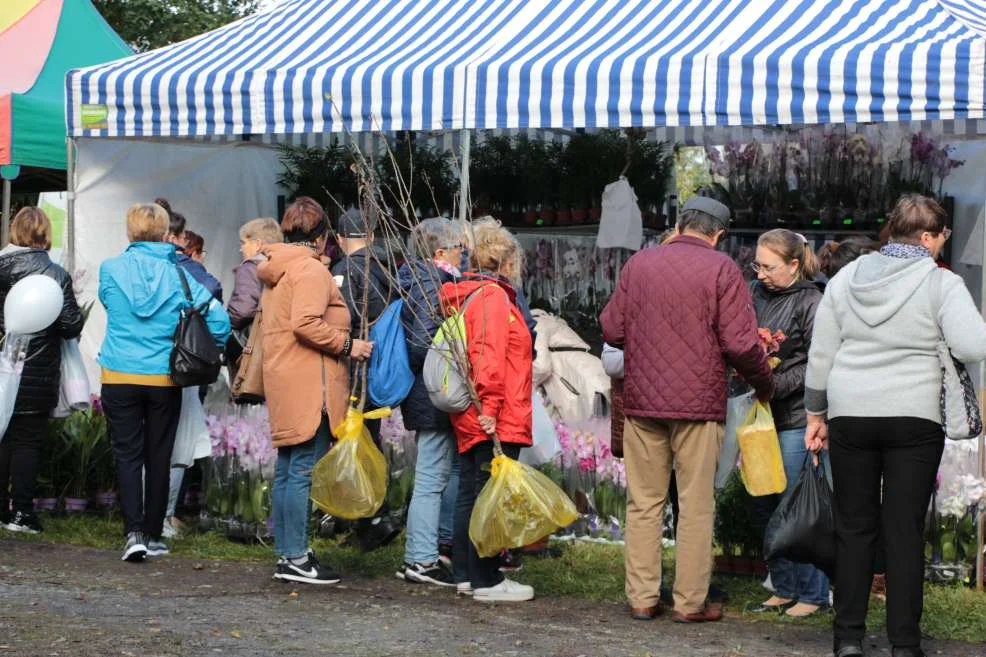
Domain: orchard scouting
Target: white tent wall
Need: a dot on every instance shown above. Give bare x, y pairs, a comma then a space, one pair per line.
217, 186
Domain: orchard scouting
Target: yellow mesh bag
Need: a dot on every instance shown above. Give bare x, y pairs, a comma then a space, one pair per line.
761, 465
350, 481
517, 506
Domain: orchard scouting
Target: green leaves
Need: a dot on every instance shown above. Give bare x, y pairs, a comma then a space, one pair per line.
150, 24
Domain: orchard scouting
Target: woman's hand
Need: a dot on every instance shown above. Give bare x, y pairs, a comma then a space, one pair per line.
488, 424
816, 436
361, 350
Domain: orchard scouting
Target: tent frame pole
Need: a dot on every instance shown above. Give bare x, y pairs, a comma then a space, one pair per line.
981, 441
465, 146
70, 205
5, 231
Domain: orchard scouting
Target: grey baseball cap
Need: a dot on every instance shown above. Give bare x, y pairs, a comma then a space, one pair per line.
709, 206
353, 224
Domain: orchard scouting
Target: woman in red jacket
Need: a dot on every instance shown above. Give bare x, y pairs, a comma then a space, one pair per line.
500, 354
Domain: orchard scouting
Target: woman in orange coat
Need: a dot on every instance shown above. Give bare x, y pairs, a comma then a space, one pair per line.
500, 354
306, 377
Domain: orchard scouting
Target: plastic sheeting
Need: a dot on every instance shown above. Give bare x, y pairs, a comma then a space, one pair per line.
218, 187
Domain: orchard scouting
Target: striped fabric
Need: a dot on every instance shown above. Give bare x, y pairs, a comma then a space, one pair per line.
314, 66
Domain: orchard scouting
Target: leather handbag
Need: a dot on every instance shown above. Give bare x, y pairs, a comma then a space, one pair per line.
248, 385
961, 416
195, 358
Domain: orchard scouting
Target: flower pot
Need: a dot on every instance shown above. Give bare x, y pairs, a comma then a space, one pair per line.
530, 217
760, 568
594, 215
743, 566
76, 504
107, 499
724, 564
547, 217
579, 216
563, 217
45, 504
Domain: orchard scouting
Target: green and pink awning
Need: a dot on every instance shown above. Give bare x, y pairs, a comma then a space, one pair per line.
40, 41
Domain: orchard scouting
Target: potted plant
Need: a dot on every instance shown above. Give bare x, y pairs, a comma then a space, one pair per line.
84, 436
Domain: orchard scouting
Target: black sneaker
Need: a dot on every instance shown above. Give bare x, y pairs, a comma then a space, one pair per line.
136, 548
425, 573
310, 572
157, 548
25, 523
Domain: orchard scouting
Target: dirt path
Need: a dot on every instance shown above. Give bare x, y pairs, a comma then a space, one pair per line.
61, 600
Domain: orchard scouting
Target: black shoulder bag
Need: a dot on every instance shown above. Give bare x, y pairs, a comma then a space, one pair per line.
195, 358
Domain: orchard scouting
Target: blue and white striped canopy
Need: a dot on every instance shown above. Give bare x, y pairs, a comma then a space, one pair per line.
314, 66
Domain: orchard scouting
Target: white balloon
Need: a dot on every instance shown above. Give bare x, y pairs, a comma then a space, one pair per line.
32, 305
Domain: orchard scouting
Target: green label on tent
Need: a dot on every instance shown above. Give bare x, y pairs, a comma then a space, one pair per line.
94, 116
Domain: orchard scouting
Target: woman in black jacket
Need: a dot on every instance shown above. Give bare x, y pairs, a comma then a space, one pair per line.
20, 449
785, 298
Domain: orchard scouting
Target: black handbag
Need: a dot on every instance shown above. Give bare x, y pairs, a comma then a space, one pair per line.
195, 358
802, 529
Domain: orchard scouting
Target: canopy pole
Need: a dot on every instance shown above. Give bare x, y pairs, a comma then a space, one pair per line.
70, 206
465, 146
5, 232
980, 529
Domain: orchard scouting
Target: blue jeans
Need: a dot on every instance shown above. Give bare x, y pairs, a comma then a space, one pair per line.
798, 581
291, 496
446, 521
432, 485
177, 475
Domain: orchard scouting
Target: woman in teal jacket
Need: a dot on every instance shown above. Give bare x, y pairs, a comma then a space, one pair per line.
142, 293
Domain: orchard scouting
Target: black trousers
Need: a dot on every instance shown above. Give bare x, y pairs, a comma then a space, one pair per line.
906, 453
481, 572
142, 422
20, 460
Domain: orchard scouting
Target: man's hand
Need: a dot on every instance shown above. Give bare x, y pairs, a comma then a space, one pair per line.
816, 436
361, 350
764, 395
488, 424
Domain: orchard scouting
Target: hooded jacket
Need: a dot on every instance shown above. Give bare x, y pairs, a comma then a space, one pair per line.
791, 310
38, 391
500, 354
421, 281
246, 294
874, 348
572, 378
306, 324
143, 295
682, 312
352, 270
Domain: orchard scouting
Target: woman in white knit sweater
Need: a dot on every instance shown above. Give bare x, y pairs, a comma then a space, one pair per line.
872, 395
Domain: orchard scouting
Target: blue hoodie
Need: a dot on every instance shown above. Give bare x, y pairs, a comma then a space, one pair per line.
142, 294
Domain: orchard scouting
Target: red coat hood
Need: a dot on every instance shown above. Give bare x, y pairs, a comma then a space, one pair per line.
455, 294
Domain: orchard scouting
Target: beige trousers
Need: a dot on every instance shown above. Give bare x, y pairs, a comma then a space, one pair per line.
652, 448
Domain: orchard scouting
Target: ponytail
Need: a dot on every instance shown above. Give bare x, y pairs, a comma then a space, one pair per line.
809, 263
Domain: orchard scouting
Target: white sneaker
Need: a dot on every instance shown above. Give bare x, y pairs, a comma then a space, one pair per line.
506, 591
169, 530
463, 588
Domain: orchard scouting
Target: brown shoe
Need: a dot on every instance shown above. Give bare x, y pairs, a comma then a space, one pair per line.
646, 613
710, 613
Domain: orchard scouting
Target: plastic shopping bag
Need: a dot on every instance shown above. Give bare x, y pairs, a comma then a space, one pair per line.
192, 440
517, 506
737, 408
73, 386
546, 445
761, 465
802, 527
351, 480
11, 365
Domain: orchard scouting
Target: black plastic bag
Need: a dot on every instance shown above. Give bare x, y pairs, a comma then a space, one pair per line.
802, 529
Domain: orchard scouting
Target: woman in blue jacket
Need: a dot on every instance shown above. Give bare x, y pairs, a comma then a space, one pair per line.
142, 293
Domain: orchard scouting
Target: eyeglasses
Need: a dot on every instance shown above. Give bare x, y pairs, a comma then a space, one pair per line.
761, 268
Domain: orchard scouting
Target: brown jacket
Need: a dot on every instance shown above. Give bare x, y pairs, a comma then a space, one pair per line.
306, 324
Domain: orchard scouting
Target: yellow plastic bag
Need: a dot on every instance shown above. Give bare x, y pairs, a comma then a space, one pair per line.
517, 506
761, 465
351, 480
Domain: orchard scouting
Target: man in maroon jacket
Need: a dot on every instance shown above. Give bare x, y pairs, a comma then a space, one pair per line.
681, 313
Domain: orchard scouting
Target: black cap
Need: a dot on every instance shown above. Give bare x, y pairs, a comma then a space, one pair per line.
352, 224
709, 206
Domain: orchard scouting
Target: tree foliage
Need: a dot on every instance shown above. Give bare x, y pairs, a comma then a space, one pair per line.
150, 24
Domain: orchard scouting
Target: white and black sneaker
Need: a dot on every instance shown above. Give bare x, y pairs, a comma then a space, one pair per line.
157, 548
310, 571
428, 573
136, 548
25, 523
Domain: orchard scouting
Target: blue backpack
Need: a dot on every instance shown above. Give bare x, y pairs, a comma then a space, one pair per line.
389, 377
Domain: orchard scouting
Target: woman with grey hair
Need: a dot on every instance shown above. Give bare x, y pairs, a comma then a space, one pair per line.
438, 245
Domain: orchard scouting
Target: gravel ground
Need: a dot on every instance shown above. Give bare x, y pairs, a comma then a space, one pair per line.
63, 600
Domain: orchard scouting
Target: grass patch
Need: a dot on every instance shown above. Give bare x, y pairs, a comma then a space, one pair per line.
588, 571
